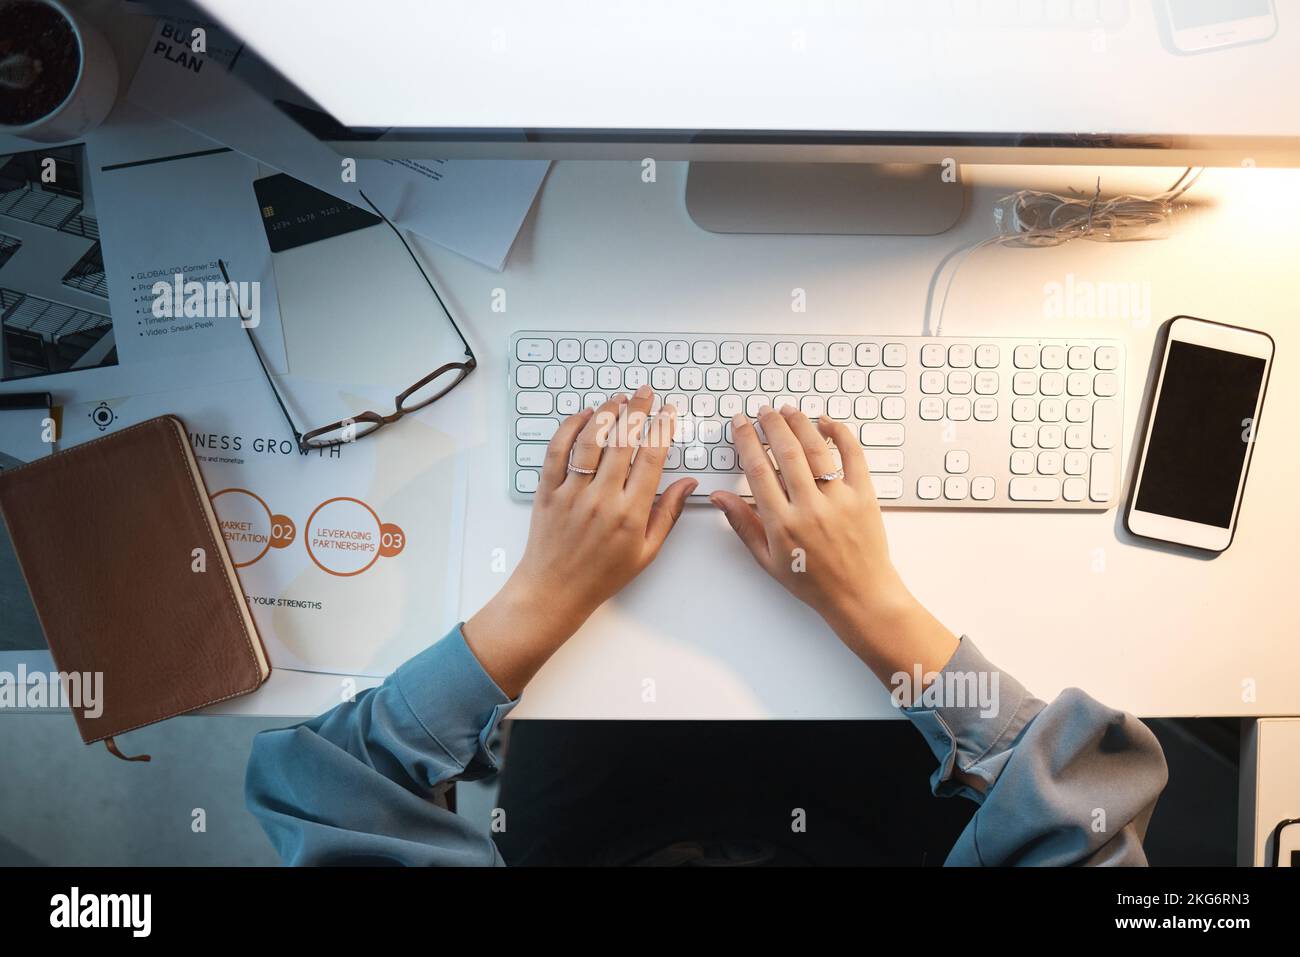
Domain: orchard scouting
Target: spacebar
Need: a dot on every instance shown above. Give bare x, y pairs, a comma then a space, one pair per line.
710, 482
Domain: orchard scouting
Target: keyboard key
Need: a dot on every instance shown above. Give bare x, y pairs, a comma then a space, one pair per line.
1105, 384
1049, 436
839, 407
526, 480
928, 487
771, 380
593, 400
887, 486
534, 403
1051, 383
813, 354
798, 380
704, 352
1105, 423
931, 409
695, 457
933, 355
1024, 383
528, 377
1076, 463
531, 454
955, 487
1051, 410
986, 383
1022, 436
663, 378
555, 377
568, 403
840, 354
867, 355
884, 460
729, 405
677, 352
1101, 477
540, 430
959, 383
703, 405
866, 407
826, 380
853, 381
690, 378
957, 461
709, 432
609, 377
988, 357
959, 357
634, 377
1076, 437
1026, 357
812, 406
1052, 357
884, 382
759, 353
1034, 489
1106, 358
595, 350
731, 353
582, 377
1074, 489
959, 408
622, 351
893, 407
534, 350
881, 434
1078, 410
1079, 383
785, 354
986, 410
1022, 462
895, 355
932, 383
716, 379
1080, 357
568, 350
1024, 410
1049, 463
650, 351
723, 458
982, 488
744, 380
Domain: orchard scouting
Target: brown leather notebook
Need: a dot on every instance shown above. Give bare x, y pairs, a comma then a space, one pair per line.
106, 534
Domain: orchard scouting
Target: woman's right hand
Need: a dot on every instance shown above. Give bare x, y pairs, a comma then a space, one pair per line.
825, 540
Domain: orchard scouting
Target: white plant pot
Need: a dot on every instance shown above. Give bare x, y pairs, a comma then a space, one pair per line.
92, 95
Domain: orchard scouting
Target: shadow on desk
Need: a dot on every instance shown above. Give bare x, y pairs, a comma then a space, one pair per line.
724, 793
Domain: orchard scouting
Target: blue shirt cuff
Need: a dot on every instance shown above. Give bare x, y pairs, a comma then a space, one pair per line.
971, 716
454, 700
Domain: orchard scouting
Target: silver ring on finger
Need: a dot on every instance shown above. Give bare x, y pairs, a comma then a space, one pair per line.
829, 476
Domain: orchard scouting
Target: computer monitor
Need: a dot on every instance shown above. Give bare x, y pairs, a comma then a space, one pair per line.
796, 115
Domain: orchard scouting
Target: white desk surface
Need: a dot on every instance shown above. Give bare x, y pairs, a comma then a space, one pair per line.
1269, 787
1056, 599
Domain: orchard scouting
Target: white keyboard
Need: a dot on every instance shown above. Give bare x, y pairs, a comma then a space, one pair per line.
946, 423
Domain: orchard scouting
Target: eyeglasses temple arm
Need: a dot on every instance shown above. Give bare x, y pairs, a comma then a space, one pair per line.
258, 353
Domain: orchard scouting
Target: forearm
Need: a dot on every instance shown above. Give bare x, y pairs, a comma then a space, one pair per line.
1073, 782
363, 782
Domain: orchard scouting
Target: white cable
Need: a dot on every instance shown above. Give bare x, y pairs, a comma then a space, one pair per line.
1035, 218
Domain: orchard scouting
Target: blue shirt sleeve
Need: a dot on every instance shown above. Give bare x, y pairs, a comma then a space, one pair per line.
1071, 782
364, 783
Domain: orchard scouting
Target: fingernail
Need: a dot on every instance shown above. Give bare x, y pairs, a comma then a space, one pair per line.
643, 392
764, 410
787, 409
737, 420
694, 486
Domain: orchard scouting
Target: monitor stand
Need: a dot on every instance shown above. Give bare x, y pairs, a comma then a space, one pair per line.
885, 199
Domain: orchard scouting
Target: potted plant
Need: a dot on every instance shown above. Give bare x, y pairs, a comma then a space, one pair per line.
58, 76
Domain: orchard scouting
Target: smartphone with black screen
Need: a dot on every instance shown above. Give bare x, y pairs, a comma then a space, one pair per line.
1203, 423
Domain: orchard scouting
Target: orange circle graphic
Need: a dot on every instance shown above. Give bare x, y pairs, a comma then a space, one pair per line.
270, 521
306, 539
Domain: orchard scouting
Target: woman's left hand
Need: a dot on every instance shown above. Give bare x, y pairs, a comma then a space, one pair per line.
590, 535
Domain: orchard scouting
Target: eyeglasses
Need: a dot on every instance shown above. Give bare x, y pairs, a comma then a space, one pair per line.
423, 393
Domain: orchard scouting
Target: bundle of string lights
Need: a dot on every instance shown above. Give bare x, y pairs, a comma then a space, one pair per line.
1032, 217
